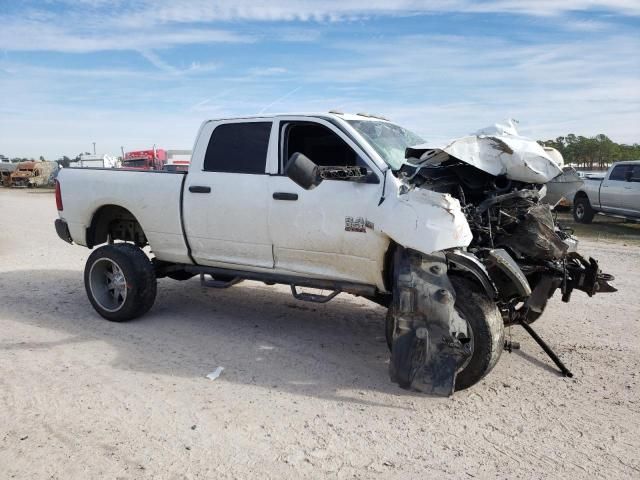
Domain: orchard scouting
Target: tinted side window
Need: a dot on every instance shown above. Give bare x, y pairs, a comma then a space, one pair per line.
635, 173
238, 148
320, 144
618, 173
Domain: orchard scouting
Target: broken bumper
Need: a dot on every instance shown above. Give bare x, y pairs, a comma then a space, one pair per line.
62, 229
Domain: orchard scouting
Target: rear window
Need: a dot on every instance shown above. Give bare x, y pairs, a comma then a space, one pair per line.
238, 148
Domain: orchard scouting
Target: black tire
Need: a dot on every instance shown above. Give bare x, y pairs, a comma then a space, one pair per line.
582, 211
131, 290
486, 324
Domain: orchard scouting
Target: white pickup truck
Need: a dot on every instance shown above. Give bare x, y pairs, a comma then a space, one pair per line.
453, 240
617, 194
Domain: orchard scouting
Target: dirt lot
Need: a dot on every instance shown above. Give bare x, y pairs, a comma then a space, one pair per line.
305, 390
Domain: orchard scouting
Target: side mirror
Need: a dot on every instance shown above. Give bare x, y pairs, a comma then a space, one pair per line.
303, 171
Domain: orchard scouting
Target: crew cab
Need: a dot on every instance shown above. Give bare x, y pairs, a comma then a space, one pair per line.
455, 247
617, 194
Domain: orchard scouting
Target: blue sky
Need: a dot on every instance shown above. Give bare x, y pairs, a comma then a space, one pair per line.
142, 72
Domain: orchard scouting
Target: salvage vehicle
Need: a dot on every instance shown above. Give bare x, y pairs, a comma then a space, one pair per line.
617, 194
33, 174
44, 174
6, 169
22, 173
455, 241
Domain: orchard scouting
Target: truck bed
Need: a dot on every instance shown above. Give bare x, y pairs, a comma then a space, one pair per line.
153, 197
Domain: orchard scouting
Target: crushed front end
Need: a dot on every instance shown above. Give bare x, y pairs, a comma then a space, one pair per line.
520, 255
511, 224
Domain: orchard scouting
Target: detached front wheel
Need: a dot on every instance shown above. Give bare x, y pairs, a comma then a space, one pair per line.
120, 282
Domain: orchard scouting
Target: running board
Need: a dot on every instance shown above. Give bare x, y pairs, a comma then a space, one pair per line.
271, 277
312, 297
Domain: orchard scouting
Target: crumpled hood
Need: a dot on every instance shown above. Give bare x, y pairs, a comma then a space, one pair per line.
497, 150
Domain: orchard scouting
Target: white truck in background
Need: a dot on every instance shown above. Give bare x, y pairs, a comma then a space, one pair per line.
454, 240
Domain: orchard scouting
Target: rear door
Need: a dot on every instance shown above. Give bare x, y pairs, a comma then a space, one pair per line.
612, 190
632, 191
226, 195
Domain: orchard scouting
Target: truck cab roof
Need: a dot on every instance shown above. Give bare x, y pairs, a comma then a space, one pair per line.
333, 114
626, 162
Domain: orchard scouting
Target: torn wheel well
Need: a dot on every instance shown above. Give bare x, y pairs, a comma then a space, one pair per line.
112, 222
387, 272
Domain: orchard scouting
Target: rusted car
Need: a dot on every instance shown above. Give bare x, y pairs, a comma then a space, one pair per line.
6, 169
33, 174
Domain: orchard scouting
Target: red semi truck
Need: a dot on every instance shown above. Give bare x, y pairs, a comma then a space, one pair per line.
153, 159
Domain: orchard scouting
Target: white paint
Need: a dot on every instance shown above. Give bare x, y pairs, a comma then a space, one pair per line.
153, 198
240, 225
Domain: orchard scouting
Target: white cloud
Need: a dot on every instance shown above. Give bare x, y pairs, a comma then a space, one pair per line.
166, 11
45, 37
98, 25
267, 71
449, 86
588, 25
440, 86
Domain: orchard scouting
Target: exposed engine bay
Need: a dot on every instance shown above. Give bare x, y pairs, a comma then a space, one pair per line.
519, 253
511, 216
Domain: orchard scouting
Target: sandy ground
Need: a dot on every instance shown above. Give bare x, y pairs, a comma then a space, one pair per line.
305, 390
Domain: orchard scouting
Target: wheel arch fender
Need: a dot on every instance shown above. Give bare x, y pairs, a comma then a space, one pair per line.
117, 221
468, 263
581, 194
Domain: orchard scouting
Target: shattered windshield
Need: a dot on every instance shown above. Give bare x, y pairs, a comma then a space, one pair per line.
389, 140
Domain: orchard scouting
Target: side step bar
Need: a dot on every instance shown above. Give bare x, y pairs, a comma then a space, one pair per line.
312, 297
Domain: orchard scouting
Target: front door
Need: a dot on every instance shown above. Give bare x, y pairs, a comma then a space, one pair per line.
225, 202
325, 232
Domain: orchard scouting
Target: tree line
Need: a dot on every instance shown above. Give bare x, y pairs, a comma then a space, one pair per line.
592, 152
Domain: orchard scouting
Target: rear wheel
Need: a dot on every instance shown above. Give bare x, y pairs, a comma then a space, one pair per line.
582, 211
485, 331
120, 282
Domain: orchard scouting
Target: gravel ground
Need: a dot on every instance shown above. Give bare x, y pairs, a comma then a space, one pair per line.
305, 391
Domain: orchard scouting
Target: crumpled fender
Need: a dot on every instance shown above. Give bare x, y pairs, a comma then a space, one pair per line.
423, 220
425, 354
